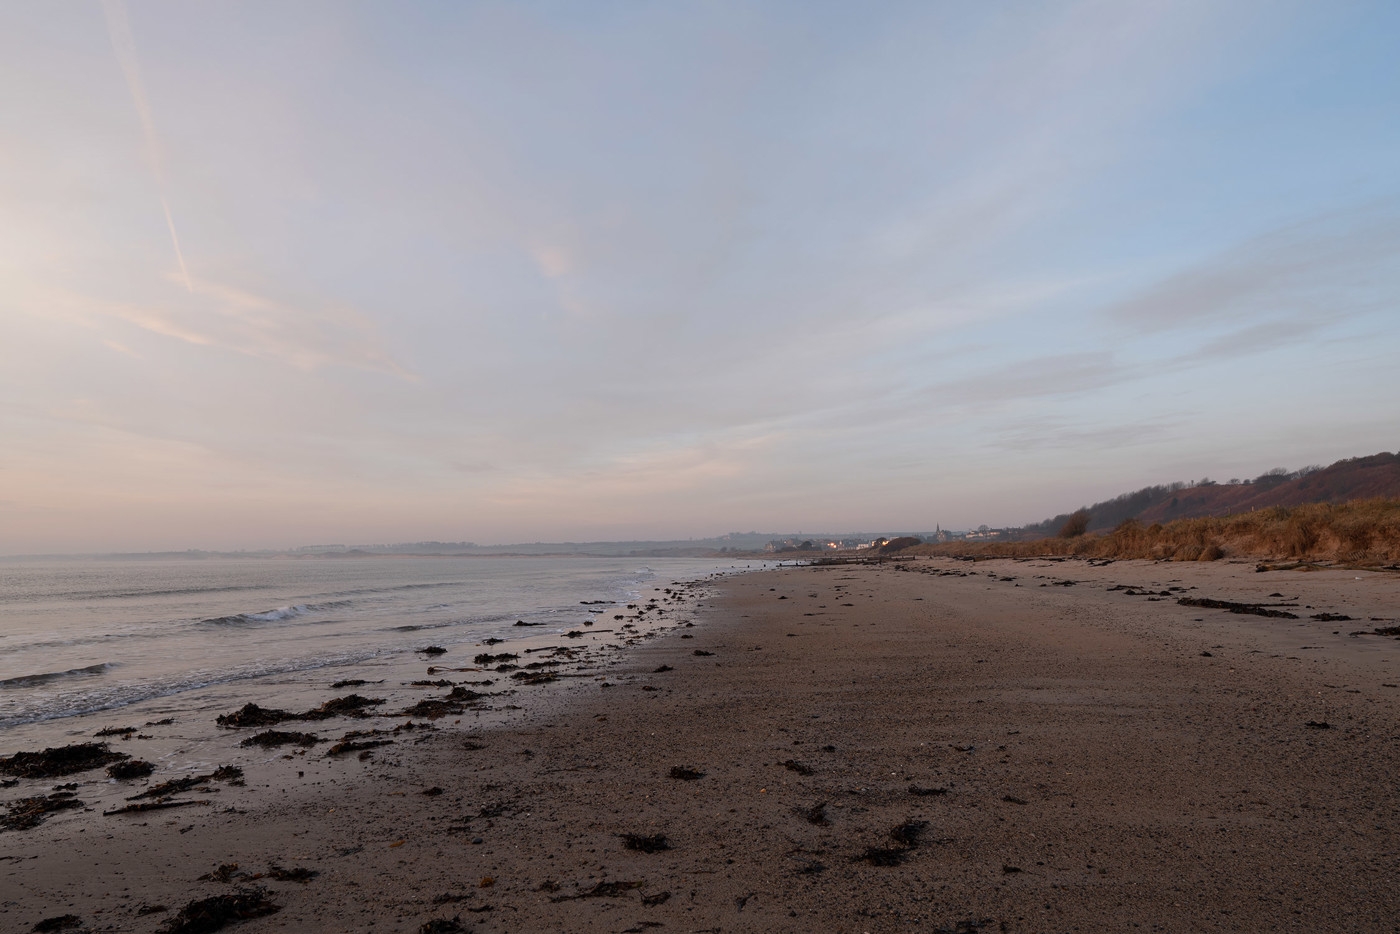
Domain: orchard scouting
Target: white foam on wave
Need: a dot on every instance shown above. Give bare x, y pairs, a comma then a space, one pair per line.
266, 616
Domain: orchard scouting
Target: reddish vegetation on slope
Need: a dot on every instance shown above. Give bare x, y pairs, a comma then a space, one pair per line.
1358, 478
1361, 532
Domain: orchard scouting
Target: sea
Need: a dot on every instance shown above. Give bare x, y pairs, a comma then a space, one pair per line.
80, 637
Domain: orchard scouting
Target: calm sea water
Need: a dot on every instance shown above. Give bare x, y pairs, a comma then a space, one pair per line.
78, 636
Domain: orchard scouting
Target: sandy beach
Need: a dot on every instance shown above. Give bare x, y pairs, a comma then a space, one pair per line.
935, 745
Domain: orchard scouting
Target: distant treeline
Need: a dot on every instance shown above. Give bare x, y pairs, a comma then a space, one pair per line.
1356, 478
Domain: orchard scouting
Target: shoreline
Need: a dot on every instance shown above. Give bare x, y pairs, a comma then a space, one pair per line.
1089, 754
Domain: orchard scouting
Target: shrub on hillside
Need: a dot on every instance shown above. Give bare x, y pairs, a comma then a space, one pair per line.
1076, 525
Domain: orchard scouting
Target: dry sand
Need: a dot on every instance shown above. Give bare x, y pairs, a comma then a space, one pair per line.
1061, 758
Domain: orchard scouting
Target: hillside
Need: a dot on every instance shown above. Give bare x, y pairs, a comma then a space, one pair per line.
1361, 532
1376, 476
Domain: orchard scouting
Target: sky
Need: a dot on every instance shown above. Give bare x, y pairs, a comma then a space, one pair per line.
330, 272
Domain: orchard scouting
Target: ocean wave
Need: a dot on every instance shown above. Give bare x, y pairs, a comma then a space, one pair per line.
266, 616
29, 681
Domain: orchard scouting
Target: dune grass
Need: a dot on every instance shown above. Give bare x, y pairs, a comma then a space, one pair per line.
1361, 532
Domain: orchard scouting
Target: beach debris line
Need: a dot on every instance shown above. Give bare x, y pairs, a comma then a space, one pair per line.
433, 650
60, 760
28, 813
205, 915
161, 805
685, 774
351, 705
57, 923
1251, 609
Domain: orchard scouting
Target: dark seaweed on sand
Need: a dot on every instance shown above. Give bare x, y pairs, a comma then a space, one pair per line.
685, 774
60, 760
122, 731
253, 715
269, 739
653, 843
161, 805
344, 746
205, 915
883, 856
57, 923
908, 833
135, 768
926, 792
351, 705
1252, 609
224, 773
299, 874
441, 926
601, 890
27, 813
432, 709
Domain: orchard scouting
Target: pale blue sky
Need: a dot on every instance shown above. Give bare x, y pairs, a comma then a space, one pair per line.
526, 271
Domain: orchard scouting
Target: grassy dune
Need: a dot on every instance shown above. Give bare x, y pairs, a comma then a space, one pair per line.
1361, 532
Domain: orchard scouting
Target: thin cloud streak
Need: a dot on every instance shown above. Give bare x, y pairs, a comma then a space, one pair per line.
124, 47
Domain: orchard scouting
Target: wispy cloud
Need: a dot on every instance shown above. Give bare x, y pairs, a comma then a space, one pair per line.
1322, 267
259, 326
124, 46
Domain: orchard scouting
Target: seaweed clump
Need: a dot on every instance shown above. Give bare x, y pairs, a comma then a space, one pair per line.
270, 739
135, 768
60, 760
27, 813
206, 915
253, 715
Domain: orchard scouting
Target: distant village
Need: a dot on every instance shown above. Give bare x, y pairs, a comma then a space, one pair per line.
938, 536
732, 543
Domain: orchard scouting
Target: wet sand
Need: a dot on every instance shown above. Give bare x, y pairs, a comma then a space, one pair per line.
935, 745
